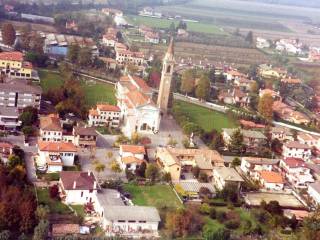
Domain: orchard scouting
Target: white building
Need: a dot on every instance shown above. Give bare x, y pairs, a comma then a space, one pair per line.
117, 219
78, 187
296, 150
131, 156
250, 165
270, 180
9, 118
262, 43
308, 139
138, 111
314, 192
297, 172
55, 155
104, 115
282, 134
50, 128
223, 176
129, 57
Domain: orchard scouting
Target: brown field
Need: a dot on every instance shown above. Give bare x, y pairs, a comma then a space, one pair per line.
35, 26
212, 54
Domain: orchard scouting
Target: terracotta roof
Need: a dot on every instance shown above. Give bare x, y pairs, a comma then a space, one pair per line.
50, 123
72, 180
93, 112
295, 144
131, 159
291, 80
6, 145
133, 149
87, 131
294, 162
141, 83
108, 107
137, 98
65, 229
271, 177
12, 56
56, 147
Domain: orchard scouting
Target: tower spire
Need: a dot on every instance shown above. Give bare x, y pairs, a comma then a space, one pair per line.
171, 47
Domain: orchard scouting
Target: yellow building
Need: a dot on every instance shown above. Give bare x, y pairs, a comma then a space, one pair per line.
13, 65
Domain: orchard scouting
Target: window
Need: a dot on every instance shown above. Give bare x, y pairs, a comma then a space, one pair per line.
82, 194
168, 69
121, 221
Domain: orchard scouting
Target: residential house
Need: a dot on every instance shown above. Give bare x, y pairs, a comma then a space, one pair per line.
281, 133
292, 81
72, 25
60, 230
19, 94
243, 83
314, 192
233, 74
262, 43
138, 111
275, 95
289, 45
111, 64
121, 220
131, 156
236, 96
109, 40
314, 54
297, 172
250, 165
252, 139
50, 128
104, 115
78, 187
223, 176
12, 64
152, 37
270, 180
124, 57
85, 137
285, 112
267, 71
9, 118
55, 155
308, 139
179, 162
296, 150
112, 12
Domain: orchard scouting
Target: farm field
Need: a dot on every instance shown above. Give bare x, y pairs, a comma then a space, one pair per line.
210, 53
156, 195
165, 23
207, 119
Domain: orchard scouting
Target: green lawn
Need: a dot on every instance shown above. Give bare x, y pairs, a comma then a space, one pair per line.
49, 80
55, 206
79, 210
165, 23
159, 196
98, 92
206, 118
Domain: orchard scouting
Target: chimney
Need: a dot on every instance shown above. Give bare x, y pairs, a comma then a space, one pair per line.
94, 184
74, 185
89, 173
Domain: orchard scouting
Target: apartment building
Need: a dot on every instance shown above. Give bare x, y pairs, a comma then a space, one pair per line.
12, 64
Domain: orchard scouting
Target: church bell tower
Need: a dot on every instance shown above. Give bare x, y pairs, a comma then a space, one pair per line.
166, 79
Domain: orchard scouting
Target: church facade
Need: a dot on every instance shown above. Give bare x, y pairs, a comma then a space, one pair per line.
134, 98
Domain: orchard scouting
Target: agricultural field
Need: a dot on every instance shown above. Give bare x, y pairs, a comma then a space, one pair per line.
206, 118
165, 24
243, 57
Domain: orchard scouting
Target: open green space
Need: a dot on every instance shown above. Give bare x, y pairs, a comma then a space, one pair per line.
94, 91
49, 80
159, 196
79, 209
54, 205
165, 23
206, 118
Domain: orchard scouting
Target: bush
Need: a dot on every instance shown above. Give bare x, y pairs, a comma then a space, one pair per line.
213, 213
54, 191
204, 208
217, 203
232, 224
286, 231
221, 216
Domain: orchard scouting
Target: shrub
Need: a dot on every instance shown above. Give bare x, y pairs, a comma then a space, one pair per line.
221, 216
54, 191
216, 203
204, 208
232, 224
203, 177
213, 213
286, 231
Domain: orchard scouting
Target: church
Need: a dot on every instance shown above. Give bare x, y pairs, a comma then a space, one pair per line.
139, 113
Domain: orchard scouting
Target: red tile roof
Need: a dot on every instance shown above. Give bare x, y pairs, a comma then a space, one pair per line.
271, 177
295, 144
108, 107
135, 149
294, 162
131, 159
56, 147
72, 180
137, 98
12, 56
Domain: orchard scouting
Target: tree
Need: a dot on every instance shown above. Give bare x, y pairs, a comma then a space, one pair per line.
54, 191
99, 167
217, 142
236, 142
141, 170
8, 34
84, 58
218, 234
152, 172
115, 167
254, 87
135, 138
42, 212
41, 230
28, 131
311, 226
172, 142
187, 81
236, 162
110, 154
28, 116
203, 88
172, 28
73, 53
14, 161
183, 222
249, 38
265, 106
